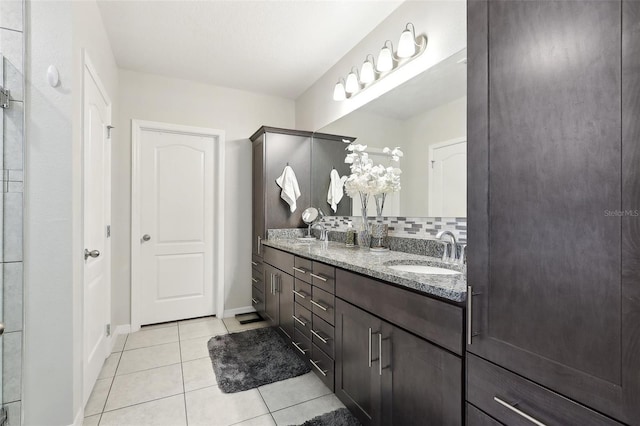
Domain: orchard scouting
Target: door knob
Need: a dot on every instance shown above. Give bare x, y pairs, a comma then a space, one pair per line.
92, 253
1, 328
146, 237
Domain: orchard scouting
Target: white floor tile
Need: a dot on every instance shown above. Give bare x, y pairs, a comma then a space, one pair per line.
194, 348
162, 412
234, 326
110, 365
198, 374
91, 420
118, 346
286, 393
210, 406
150, 357
265, 420
145, 386
98, 396
208, 328
300, 413
159, 336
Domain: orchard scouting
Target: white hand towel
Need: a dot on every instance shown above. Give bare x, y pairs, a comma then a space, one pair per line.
336, 189
290, 189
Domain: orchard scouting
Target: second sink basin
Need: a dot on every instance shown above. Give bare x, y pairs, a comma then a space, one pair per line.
423, 269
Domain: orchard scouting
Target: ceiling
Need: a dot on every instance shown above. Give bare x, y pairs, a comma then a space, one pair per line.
438, 85
273, 47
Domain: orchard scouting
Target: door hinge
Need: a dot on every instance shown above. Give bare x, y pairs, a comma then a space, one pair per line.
4, 416
108, 231
433, 163
4, 97
109, 128
108, 328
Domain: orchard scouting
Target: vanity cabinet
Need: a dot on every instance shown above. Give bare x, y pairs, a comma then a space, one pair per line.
278, 309
554, 184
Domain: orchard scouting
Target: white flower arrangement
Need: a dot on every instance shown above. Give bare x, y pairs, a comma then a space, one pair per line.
367, 178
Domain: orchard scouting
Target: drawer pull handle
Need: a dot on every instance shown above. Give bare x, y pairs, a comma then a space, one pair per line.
469, 314
254, 280
254, 263
324, 340
302, 271
297, 345
518, 412
369, 347
299, 294
324, 308
302, 323
255, 302
321, 278
380, 353
323, 372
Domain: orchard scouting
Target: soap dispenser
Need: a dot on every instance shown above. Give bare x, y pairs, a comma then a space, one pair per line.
351, 235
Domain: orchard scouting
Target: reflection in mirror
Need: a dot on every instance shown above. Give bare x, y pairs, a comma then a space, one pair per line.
310, 215
426, 117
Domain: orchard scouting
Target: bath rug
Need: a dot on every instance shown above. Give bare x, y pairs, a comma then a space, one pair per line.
340, 417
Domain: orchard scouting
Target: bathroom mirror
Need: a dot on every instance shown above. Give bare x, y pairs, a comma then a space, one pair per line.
426, 117
310, 215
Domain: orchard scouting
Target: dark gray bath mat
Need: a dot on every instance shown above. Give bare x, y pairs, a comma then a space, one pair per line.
253, 358
340, 417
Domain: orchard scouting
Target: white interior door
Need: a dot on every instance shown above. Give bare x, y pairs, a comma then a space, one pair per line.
448, 179
97, 206
176, 225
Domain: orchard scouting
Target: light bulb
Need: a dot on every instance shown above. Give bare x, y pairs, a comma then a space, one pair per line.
367, 74
407, 44
338, 92
385, 60
352, 85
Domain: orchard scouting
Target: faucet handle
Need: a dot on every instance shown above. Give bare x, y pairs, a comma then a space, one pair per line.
463, 253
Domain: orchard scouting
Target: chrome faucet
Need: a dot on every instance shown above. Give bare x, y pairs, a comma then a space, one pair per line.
453, 256
324, 233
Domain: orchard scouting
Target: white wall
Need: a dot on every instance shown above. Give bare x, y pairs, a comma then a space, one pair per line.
440, 124
239, 114
444, 23
57, 32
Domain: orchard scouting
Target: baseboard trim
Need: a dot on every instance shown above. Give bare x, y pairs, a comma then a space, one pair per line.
79, 420
237, 311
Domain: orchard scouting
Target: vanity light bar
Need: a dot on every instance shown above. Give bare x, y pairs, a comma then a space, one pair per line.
409, 48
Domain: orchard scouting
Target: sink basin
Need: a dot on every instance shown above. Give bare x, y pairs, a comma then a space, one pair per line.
423, 269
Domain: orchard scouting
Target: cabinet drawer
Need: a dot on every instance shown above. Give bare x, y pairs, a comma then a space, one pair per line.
279, 259
302, 293
256, 263
257, 299
322, 335
322, 365
302, 269
301, 343
488, 384
323, 305
324, 276
257, 279
476, 417
431, 319
302, 320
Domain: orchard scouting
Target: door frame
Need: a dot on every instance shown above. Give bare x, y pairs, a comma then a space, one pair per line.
87, 66
433, 147
137, 127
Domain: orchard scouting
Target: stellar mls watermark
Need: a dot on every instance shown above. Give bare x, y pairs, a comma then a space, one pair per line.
622, 213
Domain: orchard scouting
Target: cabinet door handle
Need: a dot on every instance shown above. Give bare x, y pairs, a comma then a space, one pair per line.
321, 278
369, 347
302, 323
259, 243
278, 279
324, 308
469, 314
380, 353
518, 412
322, 339
272, 285
255, 302
254, 263
323, 372
254, 280
299, 294
302, 271
297, 345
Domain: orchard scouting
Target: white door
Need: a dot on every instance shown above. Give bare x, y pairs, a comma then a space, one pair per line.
97, 205
176, 226
448, 179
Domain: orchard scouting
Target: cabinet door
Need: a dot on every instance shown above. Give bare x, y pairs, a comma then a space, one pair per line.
285, 290
327, 154
419, 381
357, 382
280, 150
258, 225
554, 276
271, 296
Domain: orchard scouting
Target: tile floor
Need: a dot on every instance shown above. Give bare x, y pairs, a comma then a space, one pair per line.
162, 375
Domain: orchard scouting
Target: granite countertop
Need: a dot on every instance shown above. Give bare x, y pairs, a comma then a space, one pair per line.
373, 264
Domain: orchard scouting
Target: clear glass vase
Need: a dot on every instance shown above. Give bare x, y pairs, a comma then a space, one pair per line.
364, 234
379, 230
